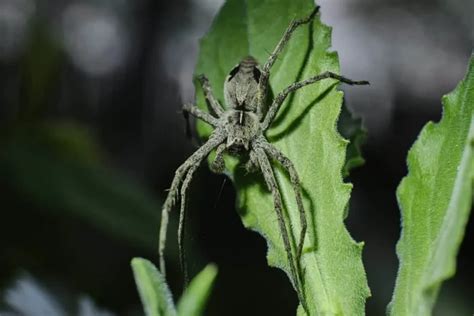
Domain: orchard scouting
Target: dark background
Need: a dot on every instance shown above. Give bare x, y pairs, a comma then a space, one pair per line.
91, 134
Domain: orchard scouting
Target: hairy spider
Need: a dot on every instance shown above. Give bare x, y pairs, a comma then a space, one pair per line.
240, 129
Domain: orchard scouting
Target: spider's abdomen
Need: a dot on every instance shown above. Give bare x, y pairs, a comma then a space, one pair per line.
241, 127
241, 85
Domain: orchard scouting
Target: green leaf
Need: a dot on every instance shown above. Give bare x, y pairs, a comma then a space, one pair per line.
435, 200
305, 130
195, 297
351, 128
57, 168
154, 292
156, 296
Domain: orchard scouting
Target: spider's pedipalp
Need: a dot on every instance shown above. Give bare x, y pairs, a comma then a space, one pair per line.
274, 153
272, 185
218, 165
213, 102
280, 98
217, 137
263, 84
200, 114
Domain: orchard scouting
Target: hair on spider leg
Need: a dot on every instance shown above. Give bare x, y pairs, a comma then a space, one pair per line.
269, 53
219, 194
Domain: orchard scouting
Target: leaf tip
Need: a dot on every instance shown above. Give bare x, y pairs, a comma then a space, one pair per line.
136, 261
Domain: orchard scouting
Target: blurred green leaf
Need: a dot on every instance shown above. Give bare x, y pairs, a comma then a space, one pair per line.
154, 292
57, 167
156, 296
194, 299
40, 72
435, 200
305, 130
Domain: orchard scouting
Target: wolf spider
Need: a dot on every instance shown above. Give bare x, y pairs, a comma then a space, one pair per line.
240, 129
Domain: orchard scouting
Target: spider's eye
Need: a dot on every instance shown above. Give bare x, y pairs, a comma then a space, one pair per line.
233, 72
256, 74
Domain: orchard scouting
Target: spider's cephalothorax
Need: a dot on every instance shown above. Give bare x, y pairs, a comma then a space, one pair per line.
240, 128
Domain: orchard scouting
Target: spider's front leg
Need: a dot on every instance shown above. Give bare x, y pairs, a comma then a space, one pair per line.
280, 98
206, 87
263, 83
272, 185
200, 114
217, 137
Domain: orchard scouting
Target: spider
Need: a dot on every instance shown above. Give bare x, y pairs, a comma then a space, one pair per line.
239, 129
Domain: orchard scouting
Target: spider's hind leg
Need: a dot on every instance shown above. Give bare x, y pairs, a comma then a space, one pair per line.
295, 183
182, 218
272, 185
251, 165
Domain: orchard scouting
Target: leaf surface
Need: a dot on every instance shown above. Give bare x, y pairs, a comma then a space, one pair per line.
352, 129
305, 130
435, 200
154, 292
156, 296
194, 299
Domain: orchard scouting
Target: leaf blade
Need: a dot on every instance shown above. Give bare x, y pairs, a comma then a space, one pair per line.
194, 299
154, 292
305, 131
435, 200
352, 128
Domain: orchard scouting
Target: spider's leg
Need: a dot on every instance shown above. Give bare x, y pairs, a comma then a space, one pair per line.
182, 218
295, 183
200, 114
272, 185
195, 159
206, 87
218, 165
272, 111
263, 84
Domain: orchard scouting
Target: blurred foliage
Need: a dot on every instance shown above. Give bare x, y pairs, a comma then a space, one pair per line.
40, 73
156, 296
56, 184
56, 164
57, 167
435, 200
28, 297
